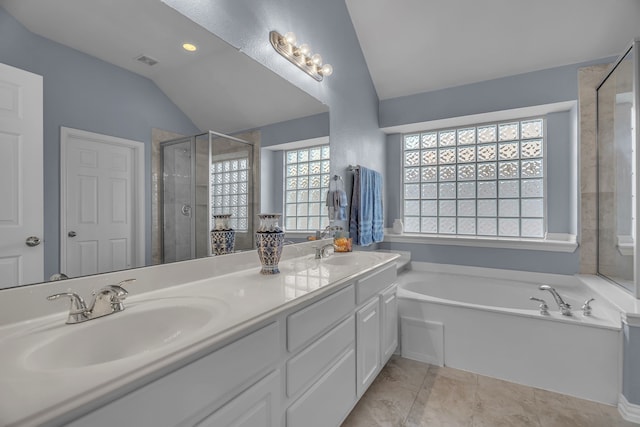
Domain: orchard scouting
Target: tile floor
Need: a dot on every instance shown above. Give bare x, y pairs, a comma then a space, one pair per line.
412, 394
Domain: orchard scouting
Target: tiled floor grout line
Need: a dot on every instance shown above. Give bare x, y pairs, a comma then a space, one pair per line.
415, 399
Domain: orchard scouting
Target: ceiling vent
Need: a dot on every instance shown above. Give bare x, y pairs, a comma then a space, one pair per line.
147, 60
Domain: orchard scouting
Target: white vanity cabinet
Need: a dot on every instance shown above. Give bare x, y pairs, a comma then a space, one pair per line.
305, 367
389, 321
196, 391
368, 337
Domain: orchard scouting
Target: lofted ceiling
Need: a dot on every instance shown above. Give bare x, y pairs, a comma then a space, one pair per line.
217, 87
415, 46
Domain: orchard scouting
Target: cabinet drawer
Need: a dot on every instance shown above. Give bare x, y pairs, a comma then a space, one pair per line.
258, 406
306, 324
370, 285
329, 400
197, 387
318, 357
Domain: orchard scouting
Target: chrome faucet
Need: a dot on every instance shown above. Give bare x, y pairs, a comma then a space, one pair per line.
321, 251
107, 300
328, 231
565, 308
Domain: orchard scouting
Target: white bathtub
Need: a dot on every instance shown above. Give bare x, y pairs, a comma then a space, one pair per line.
481, 320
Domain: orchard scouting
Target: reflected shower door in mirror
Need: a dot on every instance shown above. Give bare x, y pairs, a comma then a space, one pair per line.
86, 53
616, 173
202, 176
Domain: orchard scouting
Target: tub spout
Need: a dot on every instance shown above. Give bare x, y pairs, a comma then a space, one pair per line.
564, 307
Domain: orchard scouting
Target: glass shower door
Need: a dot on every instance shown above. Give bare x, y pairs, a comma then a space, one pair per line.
178, 200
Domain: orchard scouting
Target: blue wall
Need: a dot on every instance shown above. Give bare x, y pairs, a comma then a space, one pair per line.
355, 136
525, 90
83, 92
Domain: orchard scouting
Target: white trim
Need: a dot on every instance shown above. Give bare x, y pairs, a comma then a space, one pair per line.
555, 242
516, 113
322, 140
629, 411
625, 245
139, 197
631, 319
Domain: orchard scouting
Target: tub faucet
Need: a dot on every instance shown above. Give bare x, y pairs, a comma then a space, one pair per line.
564, 307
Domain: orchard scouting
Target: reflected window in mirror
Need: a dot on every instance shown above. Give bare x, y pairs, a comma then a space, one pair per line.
230, 191
307, 172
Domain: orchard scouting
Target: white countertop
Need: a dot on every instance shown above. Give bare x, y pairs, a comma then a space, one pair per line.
31, 394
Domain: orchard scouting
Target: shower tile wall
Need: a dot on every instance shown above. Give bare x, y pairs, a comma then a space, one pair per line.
157, 136
588, 79
177, 193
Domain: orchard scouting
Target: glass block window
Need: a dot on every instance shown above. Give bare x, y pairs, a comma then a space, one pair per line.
229, 181
483, 180
306, 184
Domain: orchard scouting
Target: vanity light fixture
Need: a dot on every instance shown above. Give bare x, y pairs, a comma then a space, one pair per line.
189, 47
300, 55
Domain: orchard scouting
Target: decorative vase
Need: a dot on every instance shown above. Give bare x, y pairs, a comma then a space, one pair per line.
398, 227
223, 237
269, 240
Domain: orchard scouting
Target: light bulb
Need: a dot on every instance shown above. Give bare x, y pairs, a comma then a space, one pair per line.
189, 47
304, 49
290, 37
317, 59
326, 70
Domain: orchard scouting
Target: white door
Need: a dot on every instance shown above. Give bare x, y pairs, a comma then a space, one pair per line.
100, 197
21, 193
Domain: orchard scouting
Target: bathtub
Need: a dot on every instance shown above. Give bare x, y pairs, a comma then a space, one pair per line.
482, 321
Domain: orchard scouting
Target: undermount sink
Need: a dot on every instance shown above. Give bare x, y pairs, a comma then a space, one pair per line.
143, 327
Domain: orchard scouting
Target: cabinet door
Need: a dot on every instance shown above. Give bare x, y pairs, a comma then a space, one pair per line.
258, 406
368, 344
389, 303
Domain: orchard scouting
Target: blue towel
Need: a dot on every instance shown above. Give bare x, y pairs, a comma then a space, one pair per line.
341, 205
337, 205
355, 208
367, 220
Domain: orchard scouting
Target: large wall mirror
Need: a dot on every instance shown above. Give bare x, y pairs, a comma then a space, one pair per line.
117, 70
617, 172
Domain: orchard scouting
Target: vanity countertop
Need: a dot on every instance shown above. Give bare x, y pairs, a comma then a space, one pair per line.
34, 389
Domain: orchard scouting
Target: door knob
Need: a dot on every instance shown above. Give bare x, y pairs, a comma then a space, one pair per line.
71, 234
33, 241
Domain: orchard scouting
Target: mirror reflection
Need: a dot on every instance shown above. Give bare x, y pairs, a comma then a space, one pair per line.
616, 189
100, 91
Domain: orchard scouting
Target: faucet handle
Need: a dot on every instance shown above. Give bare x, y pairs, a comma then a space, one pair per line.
78, 311
77, 303
544, 308
586, 307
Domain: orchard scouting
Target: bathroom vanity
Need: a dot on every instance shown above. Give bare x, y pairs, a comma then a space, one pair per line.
237, 348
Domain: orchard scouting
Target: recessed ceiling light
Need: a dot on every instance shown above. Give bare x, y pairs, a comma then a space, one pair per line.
189, 47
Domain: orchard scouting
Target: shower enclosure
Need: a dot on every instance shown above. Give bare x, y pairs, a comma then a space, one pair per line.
617, 119
204, 175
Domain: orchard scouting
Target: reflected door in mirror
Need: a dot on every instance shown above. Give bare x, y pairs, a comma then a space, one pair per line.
98, 193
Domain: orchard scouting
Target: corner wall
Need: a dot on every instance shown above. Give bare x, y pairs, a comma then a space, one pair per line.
525, 90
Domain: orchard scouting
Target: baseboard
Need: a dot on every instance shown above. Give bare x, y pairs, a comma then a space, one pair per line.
629, 411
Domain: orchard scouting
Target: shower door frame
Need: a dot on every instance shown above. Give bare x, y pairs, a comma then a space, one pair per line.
633, 47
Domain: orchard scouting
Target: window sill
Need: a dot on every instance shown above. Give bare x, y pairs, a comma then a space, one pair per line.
554, 242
